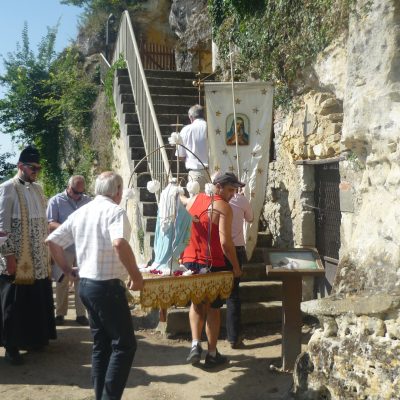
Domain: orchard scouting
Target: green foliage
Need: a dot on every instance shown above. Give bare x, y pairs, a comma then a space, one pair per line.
73, 92
277, 39
22, 113
46, 95
96, 13
7, 169
140, 236
109, 91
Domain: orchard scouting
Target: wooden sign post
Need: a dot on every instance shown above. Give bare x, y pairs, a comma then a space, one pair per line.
289, 266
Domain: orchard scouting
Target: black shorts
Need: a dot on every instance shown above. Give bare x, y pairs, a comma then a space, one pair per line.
196, 267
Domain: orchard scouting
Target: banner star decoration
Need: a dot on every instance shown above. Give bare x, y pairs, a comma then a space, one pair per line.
255, 110
253, 194
231, 168
253, 153
260, 170
235, 157
218, 131
218, 113
224, 152
258, 132
245, 170
264, 91
217, 168
238, 101
214, 91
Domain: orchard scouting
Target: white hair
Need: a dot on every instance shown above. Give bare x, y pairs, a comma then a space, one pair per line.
196, 111
74, 179
108, 183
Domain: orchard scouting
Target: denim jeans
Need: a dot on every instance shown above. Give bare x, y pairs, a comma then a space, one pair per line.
234, 304
114, 342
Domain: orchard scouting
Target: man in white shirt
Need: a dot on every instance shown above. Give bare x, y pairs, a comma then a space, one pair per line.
194, 137
100, 231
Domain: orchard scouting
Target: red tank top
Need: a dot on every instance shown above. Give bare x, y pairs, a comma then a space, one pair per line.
197, 249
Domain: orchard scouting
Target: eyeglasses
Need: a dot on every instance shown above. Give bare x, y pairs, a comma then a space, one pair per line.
76, 192
33, 168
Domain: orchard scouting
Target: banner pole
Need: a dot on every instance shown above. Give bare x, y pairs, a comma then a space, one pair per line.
234, 111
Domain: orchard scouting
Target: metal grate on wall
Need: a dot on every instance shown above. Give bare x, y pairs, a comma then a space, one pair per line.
327, 211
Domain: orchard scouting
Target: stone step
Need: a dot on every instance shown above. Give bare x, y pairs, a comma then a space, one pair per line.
175, 99
135, 140
122, 72
133, 128
148, 209
254, 272
149, 224
171, 82
183, 90
124, 88
171, 74
128, 107
137, 153
163, 119
258, 291
146, 196
140, 167
171, 109
252, 313
127, 98
142, 179
124, 80
170, 119
131, 118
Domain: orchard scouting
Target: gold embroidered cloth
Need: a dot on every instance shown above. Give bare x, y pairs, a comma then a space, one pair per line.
166, 291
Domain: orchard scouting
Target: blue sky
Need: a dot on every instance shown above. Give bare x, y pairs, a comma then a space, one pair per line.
38, 14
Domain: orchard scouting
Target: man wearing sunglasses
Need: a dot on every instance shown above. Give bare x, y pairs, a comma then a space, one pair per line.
60, 207
26, 296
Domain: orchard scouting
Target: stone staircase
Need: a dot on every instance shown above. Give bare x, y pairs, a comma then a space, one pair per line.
173, 94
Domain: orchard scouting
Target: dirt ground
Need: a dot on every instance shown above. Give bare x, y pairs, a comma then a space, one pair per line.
159, 371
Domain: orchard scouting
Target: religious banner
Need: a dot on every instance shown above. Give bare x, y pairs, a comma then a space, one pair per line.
247, 150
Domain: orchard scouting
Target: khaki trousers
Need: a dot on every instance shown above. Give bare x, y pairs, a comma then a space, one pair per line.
62, 291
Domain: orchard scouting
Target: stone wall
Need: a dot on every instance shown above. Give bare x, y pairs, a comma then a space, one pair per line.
355, 352
190, 22
311, 131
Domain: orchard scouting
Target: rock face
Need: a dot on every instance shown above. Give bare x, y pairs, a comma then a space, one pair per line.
190, 22
311, 132
355, 353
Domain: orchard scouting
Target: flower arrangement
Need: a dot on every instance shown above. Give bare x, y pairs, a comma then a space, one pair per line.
210, 189
193, 187
175, 139
153, 186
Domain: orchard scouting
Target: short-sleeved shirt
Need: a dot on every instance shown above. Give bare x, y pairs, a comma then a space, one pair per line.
242, 211
61, 206
93, 228
194, 137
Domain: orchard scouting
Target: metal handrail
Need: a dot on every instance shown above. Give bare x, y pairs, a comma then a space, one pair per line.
126, 46
104, 67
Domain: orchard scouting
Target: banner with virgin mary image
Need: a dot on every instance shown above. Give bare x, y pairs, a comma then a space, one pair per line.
245, 153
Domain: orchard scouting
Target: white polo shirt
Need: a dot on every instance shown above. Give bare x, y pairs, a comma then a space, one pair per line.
194, 137
92, 228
